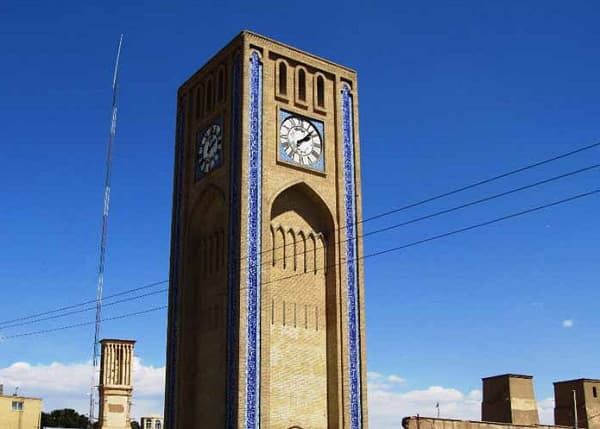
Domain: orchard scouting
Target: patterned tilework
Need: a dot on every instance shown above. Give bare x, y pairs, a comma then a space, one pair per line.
351, 255
253, 240
234, 263
174, 277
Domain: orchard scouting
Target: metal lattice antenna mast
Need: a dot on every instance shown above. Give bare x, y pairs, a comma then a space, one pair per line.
111, 140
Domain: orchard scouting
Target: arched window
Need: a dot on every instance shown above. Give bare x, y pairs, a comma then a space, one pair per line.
282, 82
209, 95
221, 85
157, 425
320, 91
199, 100
301, 85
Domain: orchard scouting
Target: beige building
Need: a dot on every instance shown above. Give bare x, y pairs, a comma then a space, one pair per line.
509, 403
152, 422
19, 412
509, 398
266, 310
115, 387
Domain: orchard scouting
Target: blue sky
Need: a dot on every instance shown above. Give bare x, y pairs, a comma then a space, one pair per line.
450, 93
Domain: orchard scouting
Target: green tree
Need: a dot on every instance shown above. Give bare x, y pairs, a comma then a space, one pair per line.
66, 418
135, 425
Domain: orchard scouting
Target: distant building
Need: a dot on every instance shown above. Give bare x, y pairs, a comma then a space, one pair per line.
509, 403
587, 396
152, 422
115, 387
509, 398
19, 412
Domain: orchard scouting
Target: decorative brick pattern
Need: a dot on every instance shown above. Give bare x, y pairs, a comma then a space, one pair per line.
234, 236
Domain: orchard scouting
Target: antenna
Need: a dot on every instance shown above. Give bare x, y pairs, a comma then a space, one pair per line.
111, 140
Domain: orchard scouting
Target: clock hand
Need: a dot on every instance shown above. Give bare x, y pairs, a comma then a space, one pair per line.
306, 138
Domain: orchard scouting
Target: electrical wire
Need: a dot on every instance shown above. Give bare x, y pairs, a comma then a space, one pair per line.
92, 301
70, 313
448, 234
459, 190
367, 256
76, 325
452, 209
11, 323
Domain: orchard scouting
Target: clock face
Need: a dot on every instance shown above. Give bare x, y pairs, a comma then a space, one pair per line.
300, 141
209, 149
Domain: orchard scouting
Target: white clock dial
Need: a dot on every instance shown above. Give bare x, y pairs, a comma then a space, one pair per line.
300, 140
209, 149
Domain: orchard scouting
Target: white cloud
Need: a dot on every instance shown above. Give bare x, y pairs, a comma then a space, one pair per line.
567, 323
67, 385
388, 404
395, 379
546, 411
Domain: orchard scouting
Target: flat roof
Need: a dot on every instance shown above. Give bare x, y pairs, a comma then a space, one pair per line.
252, 33
20, 397
593, 380
116, 340
240, 36
509, 375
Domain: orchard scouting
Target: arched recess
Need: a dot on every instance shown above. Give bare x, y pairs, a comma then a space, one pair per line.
204, 310
303, 354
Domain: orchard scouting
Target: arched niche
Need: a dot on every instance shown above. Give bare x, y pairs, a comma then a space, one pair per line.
302, 330
203, 306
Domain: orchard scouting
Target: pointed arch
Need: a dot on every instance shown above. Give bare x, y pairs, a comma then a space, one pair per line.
210, 94
301, 84
319, 91
281, 82
291, 250
199, 100
280, 248
221, 84
301, 251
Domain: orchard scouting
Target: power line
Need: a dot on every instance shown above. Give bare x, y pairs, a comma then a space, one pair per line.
370, 255
76, 325
453, 209
121, 301
450, 233
10, 323
461, 189
92, 301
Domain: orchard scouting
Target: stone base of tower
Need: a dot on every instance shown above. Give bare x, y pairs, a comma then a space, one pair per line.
115, 406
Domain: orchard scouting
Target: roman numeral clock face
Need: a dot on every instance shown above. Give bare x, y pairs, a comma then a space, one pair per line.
301, 141
209, 148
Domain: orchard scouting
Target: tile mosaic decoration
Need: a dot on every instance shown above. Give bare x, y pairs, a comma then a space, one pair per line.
351, 255
253, 240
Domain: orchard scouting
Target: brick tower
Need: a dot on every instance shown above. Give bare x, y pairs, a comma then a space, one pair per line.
509, 398
266, 311
587, 392
115, 387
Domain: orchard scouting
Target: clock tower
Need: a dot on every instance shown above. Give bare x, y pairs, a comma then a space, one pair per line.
266, 303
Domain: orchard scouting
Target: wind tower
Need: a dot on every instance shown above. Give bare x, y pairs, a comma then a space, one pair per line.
116, 386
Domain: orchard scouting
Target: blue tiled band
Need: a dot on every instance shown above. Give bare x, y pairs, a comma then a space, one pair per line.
253, 240
351, 255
